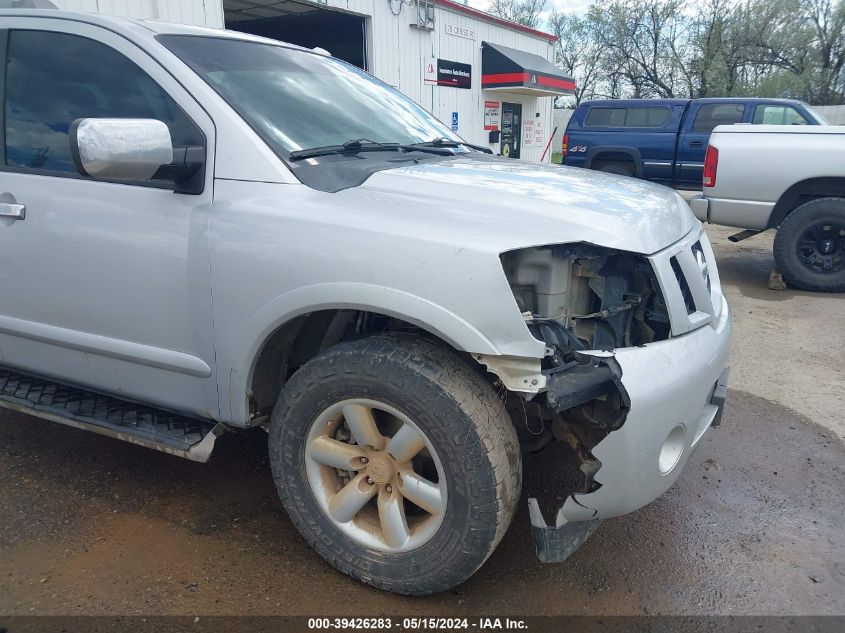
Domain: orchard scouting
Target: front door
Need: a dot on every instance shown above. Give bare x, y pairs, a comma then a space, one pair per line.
700, 121
102, 284
511, 129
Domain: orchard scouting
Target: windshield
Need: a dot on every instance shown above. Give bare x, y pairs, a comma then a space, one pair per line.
299, 100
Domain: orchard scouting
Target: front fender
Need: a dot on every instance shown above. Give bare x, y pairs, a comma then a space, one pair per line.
423, 313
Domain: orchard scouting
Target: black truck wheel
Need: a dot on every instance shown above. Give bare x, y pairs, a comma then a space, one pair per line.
809, 246
396, 462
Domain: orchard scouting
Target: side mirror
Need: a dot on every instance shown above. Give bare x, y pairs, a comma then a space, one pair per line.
120, 149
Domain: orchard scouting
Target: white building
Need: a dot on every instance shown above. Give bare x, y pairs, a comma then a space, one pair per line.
491, 80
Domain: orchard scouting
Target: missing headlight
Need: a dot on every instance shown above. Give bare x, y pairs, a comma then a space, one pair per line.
605, 298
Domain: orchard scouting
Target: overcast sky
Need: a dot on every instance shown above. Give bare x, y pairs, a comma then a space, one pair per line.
570, 6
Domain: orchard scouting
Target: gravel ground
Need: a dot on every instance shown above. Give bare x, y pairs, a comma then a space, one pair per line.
789, 346
754, 525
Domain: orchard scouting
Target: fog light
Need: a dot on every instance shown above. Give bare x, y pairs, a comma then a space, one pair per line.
673, 448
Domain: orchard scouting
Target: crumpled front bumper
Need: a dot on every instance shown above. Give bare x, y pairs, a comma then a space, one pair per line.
676, 389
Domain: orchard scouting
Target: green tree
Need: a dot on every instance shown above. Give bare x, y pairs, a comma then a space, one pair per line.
648, 42
578, 53
827, 20
708, 48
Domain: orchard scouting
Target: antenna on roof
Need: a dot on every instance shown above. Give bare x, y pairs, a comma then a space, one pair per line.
27, 4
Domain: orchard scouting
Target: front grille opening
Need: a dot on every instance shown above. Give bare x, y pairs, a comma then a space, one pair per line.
701, 259
682, 282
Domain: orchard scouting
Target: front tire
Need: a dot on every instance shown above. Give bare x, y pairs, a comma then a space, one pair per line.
396, 462
809, 246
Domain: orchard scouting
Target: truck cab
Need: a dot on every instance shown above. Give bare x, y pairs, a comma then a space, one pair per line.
664, 140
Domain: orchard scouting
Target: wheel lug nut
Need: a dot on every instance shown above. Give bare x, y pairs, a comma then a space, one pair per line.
364, 460
389, 488
369, 481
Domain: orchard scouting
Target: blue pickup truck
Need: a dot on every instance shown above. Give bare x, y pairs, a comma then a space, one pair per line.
664, 140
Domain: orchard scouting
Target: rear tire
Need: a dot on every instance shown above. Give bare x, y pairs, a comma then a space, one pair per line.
419, 386
809, 246
620, 169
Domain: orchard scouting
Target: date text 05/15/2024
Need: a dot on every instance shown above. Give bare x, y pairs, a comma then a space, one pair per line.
417, 624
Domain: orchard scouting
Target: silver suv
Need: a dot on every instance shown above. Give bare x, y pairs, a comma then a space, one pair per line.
202, 232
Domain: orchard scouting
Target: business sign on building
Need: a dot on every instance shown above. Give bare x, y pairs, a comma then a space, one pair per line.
492, 111
443, 72
539, 132
533, 132
430, 71
528, 132
460, 31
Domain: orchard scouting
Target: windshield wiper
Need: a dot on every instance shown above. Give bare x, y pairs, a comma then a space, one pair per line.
352, 146
447, 142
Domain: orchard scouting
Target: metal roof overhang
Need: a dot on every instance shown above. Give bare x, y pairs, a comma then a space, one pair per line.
510, 70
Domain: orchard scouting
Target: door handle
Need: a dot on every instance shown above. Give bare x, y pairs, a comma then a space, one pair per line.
696, 144
12, 210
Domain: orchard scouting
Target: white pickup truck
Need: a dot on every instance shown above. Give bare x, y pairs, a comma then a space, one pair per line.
787, 178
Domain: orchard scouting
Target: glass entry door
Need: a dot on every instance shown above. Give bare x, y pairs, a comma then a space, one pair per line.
511, 129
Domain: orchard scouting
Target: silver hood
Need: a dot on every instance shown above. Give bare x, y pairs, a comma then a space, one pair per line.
512, 204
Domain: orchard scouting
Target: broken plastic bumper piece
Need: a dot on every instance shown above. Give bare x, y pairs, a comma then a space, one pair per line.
554, 544
677, 390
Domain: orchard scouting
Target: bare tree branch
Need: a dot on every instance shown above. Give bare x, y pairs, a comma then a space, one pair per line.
525, 12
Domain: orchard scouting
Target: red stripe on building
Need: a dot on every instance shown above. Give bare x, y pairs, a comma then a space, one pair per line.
524, 78
556, 83
504, 78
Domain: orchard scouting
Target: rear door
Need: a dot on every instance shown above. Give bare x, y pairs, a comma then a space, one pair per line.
702, 118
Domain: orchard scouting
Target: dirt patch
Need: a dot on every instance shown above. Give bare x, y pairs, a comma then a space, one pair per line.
95, 526
788, 346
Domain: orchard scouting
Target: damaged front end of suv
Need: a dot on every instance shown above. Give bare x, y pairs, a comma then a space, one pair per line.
602, 314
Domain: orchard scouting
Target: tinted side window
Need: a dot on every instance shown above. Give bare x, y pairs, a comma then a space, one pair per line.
605, 117
646, 117
713, 114
628, 117
53, 79
778, 115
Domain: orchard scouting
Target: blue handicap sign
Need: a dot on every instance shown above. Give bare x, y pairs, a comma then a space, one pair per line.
454, 121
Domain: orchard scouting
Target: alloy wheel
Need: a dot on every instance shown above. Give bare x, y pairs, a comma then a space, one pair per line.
376, 475
821, 247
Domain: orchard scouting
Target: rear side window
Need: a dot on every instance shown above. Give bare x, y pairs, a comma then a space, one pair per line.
713, 114
605, 117
53, 79
647, 117
769, 114
628, 117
